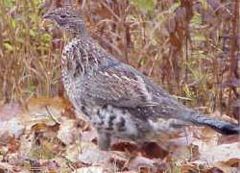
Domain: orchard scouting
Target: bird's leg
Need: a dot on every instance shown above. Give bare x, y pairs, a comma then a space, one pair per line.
104, 140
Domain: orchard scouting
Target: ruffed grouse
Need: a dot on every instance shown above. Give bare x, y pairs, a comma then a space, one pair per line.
118, 100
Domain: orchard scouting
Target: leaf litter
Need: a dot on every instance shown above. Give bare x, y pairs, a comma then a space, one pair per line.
44, 135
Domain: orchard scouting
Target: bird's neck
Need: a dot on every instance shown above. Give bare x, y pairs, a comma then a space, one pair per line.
78, 55
78, 35
81, 36
79, 30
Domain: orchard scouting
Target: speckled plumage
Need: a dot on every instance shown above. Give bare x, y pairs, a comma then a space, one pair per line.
118, 100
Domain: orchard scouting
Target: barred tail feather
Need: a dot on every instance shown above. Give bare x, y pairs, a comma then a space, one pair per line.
220, 126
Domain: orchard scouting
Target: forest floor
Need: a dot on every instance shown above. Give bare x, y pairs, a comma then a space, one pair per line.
44, 135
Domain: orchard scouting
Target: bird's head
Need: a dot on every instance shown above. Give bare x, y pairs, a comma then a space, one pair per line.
67, 19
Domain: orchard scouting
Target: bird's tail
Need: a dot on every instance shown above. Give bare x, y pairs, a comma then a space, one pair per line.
220, 126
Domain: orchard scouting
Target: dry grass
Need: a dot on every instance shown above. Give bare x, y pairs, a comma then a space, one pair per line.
29, 65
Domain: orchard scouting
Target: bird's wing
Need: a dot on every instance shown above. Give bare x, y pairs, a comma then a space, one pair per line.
118, 86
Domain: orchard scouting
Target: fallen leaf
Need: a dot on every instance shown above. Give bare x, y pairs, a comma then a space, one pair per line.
9, 111
68, 133
219, 153
91, 169
11, 128
90, 154
140, 162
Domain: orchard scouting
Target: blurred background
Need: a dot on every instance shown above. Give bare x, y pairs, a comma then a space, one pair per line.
189, 47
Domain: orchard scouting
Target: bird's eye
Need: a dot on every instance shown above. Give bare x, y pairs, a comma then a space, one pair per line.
63, 16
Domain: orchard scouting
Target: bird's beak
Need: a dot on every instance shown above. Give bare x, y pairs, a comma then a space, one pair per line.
46, 16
